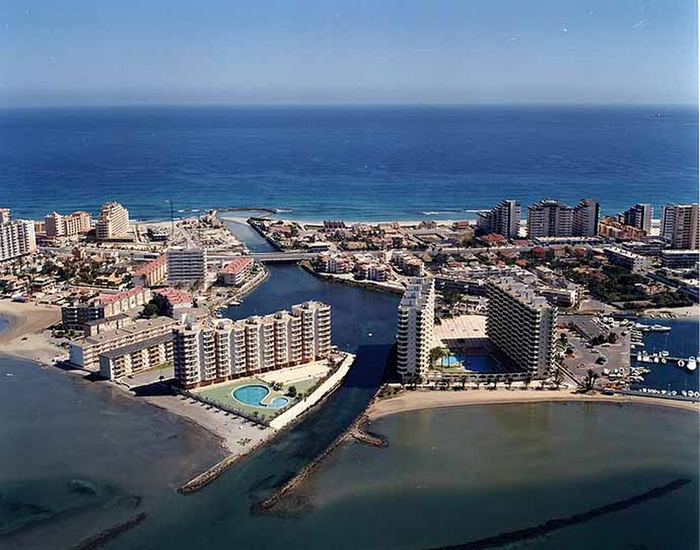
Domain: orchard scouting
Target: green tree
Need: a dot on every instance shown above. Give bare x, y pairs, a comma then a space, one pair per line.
149, 310
435, 354
292, 391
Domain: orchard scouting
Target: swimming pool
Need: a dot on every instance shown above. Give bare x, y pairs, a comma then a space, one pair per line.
253, 395
475, 363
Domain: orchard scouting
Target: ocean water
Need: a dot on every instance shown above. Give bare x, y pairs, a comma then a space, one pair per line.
343, 162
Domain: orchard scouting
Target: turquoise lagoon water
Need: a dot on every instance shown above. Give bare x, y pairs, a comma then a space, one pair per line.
254, 394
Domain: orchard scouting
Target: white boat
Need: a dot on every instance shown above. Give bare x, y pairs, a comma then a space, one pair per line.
692, 364
656, 359
659, 328
663, 360
664, 353
639, 357
681, 363
684, 393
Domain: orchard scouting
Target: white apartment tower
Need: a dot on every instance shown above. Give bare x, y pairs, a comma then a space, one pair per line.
217, 350
549, 218
504, 219
679, 226
522, 325
113, 222
186, 265
415, 331
17, 237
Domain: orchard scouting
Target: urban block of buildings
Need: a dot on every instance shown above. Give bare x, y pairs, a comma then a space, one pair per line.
85, 352
237, 271
218, 350
151, 273
552, 218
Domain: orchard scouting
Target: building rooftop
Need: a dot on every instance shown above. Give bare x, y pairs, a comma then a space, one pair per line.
151, 266
238, 265
524, 293
138, 326
138, 346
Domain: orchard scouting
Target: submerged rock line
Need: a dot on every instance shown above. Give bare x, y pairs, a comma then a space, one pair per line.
561, 523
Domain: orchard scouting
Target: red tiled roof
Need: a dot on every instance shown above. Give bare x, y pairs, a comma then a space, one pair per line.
236, 266
111, 298
174, 295
149, 267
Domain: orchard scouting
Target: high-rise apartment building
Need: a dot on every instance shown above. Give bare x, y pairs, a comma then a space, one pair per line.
186, 265
522, 325
503, 219
415, 331
639, 216
679, 226
17, 237
77, 223
113, 222
217, 350
585, 218
549, 218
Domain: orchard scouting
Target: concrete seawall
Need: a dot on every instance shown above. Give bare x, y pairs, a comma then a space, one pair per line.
355, 431
327, 387
317, 397
365, 285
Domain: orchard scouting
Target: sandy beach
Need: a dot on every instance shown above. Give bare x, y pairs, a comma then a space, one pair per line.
417, 400
690, 312
26, 334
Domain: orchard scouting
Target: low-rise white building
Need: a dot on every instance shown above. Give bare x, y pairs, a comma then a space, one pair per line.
628, 260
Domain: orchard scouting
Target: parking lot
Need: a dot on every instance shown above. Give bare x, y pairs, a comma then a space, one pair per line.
584, 357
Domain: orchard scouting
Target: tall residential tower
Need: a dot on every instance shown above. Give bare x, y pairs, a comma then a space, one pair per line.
415, 330
522, 325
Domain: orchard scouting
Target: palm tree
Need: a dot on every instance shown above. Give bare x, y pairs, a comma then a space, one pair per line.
510, 380
464, 381
558, 377
527, 381
588, 383
435, 354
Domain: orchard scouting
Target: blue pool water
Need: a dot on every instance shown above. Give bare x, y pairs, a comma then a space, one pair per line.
475, 363
253, 395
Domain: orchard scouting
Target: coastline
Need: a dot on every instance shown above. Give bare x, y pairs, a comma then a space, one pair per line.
689, 312
25, 335
418, 400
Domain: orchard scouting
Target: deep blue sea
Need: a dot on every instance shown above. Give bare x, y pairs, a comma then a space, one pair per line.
344, 162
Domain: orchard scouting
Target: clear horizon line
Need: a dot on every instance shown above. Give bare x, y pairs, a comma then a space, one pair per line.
241, 104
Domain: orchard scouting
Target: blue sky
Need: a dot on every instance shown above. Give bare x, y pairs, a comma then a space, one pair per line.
378, 51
